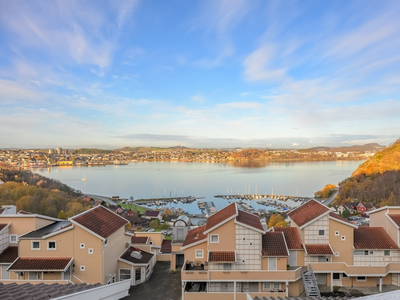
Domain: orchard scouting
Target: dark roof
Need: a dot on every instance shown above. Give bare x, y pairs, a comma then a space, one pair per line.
53, 227
292, 237
221, 216
368, 205
151, 213
249, 219
318, 249
139, 239
9, 255
336, 216
373, 238
40, 264
2, 210
273, 244
221, 256
166, 246
307, 212
146, 256
195, 235
23, 212
395, 218
30, 291
2, 225
100, 220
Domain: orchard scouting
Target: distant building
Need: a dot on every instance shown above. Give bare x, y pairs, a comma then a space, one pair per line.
51, 151
59, 150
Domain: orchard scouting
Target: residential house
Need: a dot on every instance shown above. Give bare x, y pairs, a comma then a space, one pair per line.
365, 207
152, 214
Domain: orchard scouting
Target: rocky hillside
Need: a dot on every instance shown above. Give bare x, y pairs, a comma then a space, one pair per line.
377, 180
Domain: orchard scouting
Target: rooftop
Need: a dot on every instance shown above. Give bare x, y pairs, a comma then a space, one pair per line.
100, 220
220, 216
166, 246
373, 238
41, 264
2, 225
221, 256
318, 249
395, 218
151, 213
292, 237
273, 244
139, 239
336, 216
145, 259
307, 212
249, 219
195, 235
9, 255
54, 227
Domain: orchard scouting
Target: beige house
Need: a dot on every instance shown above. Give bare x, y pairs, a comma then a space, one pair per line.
233, 255
91, 247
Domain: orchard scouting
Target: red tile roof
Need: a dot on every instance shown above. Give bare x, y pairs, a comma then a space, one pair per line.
166, 246
292, 237
101, 221
2, 210
336, 216
249, 219
146, 256
195, 235
273, 244
221, 256
2, 225
307, 212
373, 238
318, 249
220, 216
395, 218
139, 239
9, 255
40, 264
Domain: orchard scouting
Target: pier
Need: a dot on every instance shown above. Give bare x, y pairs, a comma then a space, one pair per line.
265, 196
165, 201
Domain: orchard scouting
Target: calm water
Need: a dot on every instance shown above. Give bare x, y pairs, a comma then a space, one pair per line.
162, 179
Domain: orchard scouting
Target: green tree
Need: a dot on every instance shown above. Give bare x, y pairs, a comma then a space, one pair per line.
346, 213
154, 223
62, 215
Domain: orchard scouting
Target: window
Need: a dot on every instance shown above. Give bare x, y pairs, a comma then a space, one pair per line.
336, 233
337, 254
343, 237
336, 275
321, 232
371, 252
365, 252
361, 278
322, 259
90, 250
386, 252
199, 253
35, 246
214, 238
82, 245
358, 252
82, 268
112, 280
268, 286
147, 270
151, 243
106, 242
51, 245
124, 274
344, 275
13, 238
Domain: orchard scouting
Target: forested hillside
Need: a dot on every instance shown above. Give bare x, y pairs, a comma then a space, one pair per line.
377, 180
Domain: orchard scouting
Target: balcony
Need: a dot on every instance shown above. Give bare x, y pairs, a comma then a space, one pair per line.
193, 272
339, 267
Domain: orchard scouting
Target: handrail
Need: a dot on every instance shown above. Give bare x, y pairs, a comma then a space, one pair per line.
79, 279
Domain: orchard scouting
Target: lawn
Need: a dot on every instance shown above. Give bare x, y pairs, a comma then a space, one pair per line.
133, 207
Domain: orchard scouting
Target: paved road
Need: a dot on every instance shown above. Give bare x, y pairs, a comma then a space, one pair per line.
162, 285
105, 199
331, 198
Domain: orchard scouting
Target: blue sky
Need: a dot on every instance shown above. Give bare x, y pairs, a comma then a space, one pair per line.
213, 73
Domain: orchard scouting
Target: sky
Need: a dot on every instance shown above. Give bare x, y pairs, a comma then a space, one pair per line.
218, 73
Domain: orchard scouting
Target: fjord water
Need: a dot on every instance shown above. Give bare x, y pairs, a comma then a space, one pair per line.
162, 179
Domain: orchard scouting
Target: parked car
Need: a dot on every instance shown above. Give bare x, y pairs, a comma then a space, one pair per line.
150, 230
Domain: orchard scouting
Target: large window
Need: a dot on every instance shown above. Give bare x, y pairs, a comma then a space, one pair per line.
199, 253
124, 274
214, 238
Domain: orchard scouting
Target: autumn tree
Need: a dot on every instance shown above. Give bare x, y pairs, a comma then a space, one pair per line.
276, 219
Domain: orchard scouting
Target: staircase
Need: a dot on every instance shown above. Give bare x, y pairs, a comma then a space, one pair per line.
310, 284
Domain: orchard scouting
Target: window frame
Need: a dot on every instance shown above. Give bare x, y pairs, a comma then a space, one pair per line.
82, 245
90, 251
16, 238
36, 249
211, 238
319, 232
55, 245
198, 256
337, 233
386, 251
82, 268
124, 275
343, 238
361, 280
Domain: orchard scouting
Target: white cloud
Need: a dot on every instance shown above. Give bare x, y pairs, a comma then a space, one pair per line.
295, 144
198, 99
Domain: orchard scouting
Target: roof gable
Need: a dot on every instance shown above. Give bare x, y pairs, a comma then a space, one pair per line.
395, 218
318, 249
221, 216
145, 259
249, 220
100, 221
274, 244
307, 212
373, 238
195, 235
292, 237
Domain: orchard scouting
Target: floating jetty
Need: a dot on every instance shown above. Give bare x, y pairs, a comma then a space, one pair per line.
266, 196
165, 201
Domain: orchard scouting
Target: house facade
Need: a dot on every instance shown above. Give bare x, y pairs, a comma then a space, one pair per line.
233, 255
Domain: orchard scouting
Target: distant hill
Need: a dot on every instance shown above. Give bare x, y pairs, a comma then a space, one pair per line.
366, 147
91, 151
377, 180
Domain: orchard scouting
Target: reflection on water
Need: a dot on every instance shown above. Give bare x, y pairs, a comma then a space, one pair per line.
171, 179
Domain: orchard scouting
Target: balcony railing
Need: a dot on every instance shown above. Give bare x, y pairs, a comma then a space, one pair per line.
355, 270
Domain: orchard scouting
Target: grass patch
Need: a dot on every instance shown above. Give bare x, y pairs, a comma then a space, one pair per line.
133, 207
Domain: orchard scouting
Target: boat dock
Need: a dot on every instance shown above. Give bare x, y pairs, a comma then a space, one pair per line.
165, 201
265, 196
207, 207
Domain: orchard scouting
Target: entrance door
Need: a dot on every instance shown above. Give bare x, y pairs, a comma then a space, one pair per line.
321, 278
138, 275
272, 263
4, 273
337, 279
33, 275
67, 274
292, 258
180, 259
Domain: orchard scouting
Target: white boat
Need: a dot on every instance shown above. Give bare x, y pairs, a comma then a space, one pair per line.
84, 178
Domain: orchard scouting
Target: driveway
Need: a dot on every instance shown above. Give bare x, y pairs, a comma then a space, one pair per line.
163, 284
